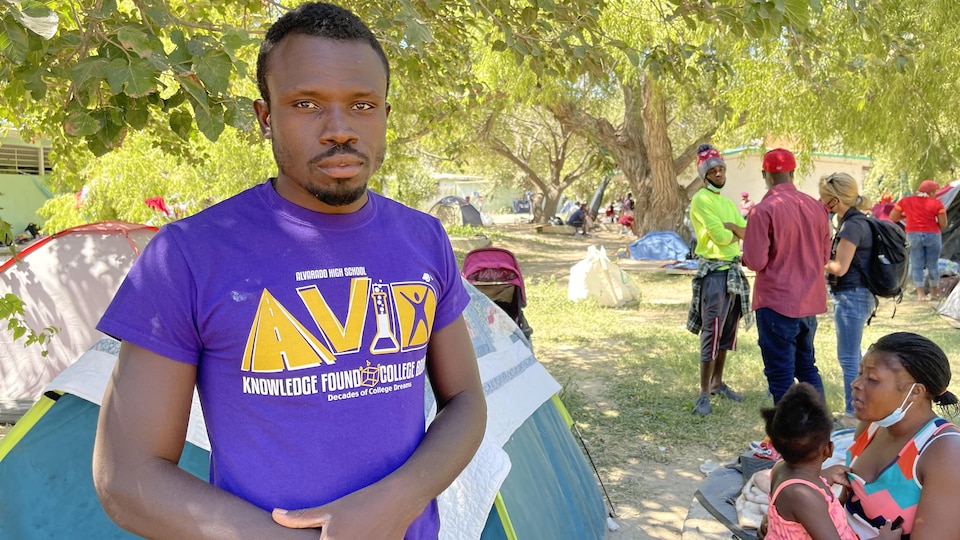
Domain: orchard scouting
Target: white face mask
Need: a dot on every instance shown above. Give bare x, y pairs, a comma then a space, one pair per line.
898, 413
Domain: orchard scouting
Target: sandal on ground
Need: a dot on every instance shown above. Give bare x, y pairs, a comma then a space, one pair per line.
702, 405
725, 391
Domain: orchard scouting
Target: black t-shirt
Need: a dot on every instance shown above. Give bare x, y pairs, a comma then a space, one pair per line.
856, 231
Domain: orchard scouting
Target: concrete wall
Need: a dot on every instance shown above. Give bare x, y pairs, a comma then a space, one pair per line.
20, 197
744, 165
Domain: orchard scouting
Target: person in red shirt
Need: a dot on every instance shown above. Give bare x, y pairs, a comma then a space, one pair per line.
787, 243
926, 218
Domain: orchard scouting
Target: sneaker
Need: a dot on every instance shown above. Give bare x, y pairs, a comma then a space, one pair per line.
725, 391
702, 405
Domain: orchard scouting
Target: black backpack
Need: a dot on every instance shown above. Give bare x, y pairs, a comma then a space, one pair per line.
886, 274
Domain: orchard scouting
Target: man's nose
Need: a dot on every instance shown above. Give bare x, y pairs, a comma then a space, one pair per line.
338, 127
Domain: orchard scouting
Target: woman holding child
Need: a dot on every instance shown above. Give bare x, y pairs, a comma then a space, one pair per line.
903, 461
901, 477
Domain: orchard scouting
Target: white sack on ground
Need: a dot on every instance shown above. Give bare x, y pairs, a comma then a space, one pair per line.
596, 276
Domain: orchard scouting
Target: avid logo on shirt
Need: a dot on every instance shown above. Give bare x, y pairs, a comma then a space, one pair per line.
282, 353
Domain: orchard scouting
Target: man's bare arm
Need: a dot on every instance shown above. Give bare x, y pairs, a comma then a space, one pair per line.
140, 436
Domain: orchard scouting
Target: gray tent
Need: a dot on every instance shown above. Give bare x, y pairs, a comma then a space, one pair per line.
455, 210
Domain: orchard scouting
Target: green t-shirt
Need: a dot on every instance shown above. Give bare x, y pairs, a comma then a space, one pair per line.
708, 212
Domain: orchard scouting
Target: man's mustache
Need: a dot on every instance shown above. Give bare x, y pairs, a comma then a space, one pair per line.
335, 150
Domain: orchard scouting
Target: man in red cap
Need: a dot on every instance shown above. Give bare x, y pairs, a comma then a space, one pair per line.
926, 218
787, 243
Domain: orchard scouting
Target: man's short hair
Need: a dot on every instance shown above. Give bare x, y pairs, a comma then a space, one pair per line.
316, 19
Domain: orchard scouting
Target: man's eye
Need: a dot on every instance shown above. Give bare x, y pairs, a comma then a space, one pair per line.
305, 105
364, 106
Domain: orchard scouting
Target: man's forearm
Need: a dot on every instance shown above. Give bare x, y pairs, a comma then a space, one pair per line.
161, 500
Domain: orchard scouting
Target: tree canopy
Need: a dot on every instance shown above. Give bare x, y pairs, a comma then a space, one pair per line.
644, 81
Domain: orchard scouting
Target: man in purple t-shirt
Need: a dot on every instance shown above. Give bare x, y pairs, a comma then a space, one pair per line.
307, 312
787, 243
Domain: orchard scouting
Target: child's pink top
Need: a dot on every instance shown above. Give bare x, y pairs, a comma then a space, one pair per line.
781, 529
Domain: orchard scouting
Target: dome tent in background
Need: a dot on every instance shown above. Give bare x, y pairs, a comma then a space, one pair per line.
456, 211
659, 246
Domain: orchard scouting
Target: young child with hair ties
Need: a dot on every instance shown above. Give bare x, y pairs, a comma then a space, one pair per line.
802, 505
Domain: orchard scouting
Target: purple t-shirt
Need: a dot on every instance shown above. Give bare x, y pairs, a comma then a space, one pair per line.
309, 332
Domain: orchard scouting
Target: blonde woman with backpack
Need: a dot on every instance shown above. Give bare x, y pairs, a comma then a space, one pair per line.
849, 256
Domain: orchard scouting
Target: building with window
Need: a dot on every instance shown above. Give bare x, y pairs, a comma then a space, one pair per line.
24, 170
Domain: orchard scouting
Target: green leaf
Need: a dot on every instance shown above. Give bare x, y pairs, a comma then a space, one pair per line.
80, 124
137, 114
141, 79
181, 122
134, 39
36, 86
91, 67
210, 121
416, 32
194, 88
157, 14
117, 73
177, 36
233, 39
239, 114
529, 15
174, 100
18, 42
111, 133
214, 70
107, 9
498, 46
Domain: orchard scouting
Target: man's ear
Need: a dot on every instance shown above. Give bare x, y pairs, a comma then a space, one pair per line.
262, 112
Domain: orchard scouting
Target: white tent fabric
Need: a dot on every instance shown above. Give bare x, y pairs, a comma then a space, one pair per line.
65, 281
949, 309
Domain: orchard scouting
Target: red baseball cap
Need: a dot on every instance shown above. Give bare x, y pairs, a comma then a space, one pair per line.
779, 160
928, 186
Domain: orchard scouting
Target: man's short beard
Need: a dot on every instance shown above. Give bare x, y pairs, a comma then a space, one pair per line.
338, 196
710, 183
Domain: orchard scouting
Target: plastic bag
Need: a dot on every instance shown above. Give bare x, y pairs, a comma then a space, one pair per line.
596, 276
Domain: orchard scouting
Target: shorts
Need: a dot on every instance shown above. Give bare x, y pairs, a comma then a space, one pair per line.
720, 313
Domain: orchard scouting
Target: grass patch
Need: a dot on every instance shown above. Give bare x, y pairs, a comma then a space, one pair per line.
630, 375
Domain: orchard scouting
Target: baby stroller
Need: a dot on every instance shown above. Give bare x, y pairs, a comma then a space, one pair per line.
496, 273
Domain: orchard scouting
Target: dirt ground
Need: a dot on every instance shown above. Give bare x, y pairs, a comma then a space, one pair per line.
653, 498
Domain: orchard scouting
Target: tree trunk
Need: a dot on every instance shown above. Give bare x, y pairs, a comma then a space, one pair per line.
663, 202
644, 153
551, 202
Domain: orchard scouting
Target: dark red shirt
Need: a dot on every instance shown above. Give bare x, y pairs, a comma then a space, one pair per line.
787, 243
